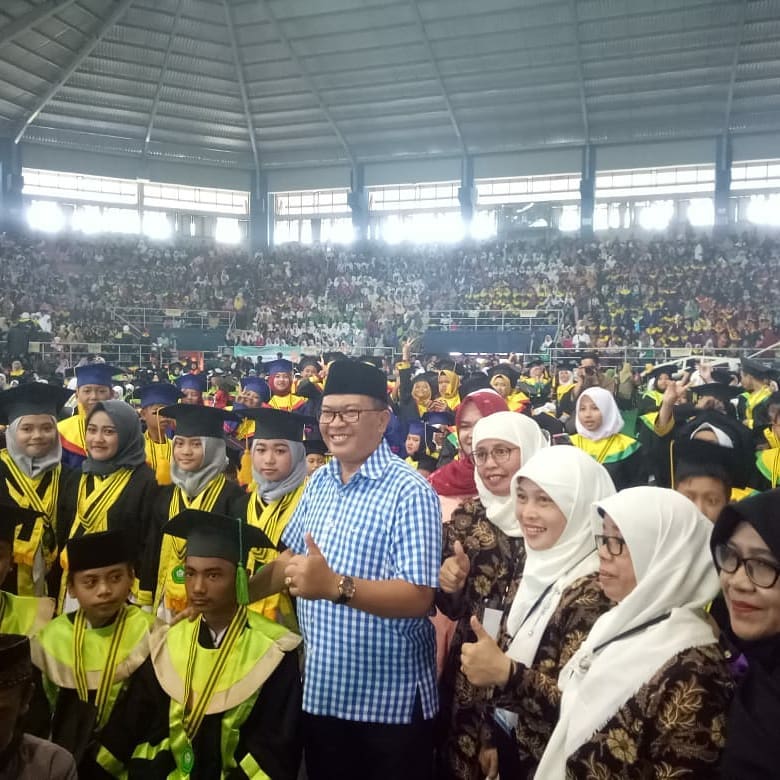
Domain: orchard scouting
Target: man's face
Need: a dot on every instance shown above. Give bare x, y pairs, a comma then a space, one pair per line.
210, 584
353, 442
102, 591
152, 419
90, 395
192, 397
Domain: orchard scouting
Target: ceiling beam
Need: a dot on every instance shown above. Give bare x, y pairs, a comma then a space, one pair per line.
26, 21
575, 20
161, 80
438, 77
308, 80
78, 58
734, 64
242, 84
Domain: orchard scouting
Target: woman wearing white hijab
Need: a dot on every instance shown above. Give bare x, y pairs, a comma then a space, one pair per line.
483, 560
599, 423
557, 603
647, 692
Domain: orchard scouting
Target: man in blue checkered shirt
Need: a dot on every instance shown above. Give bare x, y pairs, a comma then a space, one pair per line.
363, 561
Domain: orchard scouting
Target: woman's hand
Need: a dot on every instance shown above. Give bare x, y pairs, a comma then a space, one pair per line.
484, 662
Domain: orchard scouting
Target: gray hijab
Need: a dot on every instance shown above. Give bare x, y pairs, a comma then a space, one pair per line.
270, 491
215, 461
130, 452
32, 467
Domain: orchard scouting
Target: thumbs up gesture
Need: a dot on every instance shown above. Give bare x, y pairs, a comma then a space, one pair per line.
455, 570
483, 662
309, 576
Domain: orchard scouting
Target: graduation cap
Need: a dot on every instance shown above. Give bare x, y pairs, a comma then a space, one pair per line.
12, 515
195, 382
276, 424
757, 369
473, 382
315, 447
280, 366
330, 357
722, 375
505, 370
209, 535
256, 384
94, 551
96, 374
33, 398
694, 457
15, 660
566, 365
194, 420
431, 379
416, 428
534, 363
724, 393
439, 418
670, 369
307, 360
377, 361
157, 393
352, 377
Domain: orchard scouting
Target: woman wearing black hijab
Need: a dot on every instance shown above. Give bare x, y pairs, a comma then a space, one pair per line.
746, 548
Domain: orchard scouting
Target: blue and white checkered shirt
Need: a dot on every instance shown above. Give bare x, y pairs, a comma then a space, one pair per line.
384, 524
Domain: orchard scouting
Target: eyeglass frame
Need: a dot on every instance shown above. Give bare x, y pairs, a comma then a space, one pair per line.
744, 562
492, 454
602, 540
342, 415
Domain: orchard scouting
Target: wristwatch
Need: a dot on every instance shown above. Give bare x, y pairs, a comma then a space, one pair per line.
346, 590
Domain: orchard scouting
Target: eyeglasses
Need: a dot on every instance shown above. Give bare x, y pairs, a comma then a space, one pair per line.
499, 455
327, 416
760, 572
614, 544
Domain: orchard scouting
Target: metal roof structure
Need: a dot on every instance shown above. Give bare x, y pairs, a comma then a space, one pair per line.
293, 83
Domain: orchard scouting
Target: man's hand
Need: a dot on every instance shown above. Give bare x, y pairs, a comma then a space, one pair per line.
309, 576
455, 570
488, 762
483, 662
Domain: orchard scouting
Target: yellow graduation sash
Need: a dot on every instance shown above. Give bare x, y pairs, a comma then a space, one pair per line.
753, 400
768, 463
158, 458
610, 450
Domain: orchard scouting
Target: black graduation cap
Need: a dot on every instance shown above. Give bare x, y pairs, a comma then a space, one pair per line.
315, 447
473, 382
353, 377
724, 393
670, 369
535, 362
330, 357
308, 360
566, 365
431, 379
210, 535
15, 660
757, 369
194, 420
32, 398
277, 424
694, 457
722, 375
377, 361
12, 515
548, 423
504, 369
94, 551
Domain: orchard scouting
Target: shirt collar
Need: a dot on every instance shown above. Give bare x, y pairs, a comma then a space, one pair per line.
372, 468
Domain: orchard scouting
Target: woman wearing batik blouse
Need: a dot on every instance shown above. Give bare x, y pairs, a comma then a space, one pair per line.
647, 693
483, 559
558, 601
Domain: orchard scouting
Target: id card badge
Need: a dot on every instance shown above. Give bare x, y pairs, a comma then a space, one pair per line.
491, 621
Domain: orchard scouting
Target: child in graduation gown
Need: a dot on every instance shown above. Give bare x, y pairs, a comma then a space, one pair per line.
221, 695
116, 488
32, 476
198, 466
279, 473
87, 657
280, 381
157, 442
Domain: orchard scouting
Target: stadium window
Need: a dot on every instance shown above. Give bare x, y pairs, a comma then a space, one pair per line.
87, 220
569, 219
755, 176
701, 212
656, 215
764, 210
45, 216
156, 225
121, 221
484, 225
227, 231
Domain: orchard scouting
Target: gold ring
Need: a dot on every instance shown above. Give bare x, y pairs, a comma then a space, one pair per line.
288, 581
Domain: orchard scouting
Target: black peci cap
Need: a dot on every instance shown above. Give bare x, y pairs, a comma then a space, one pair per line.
194, 420
353, 377
95, 551
277, 424
315, 447
32, 398
15, 662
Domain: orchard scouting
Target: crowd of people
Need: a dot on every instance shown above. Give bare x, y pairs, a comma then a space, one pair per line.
427, 569
670, 291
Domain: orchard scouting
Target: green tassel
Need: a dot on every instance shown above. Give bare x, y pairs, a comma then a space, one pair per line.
242, 586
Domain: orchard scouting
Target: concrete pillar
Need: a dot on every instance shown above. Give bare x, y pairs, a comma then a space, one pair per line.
587, 191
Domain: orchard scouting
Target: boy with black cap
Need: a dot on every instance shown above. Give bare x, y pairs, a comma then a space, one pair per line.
316, 455
220, 696
23, 756
157, 442
32, 476
756, 379
88, 657
94, 383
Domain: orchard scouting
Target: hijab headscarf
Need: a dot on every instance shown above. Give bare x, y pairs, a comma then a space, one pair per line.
523, 432
269, 490
32, 467
457, 477
752, 749
723, 439
130, 452
451, 394
668, 539
215, 461
611, 419
574, 481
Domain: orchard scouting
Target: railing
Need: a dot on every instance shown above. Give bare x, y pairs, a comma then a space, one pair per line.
143, 318
638, 356
493, 319
123, 355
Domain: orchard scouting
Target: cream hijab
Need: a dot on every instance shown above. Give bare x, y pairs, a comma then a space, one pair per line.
669, 543
574, 481
520, 431
611, 419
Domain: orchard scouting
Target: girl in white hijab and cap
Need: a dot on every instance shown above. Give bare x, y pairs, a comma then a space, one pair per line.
647, 692
599, 423
483, 559
557, 603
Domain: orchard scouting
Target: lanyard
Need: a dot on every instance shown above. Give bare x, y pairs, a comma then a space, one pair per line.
109, 668
631, 632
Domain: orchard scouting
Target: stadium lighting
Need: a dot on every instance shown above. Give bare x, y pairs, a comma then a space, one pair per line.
87, 220
121, 221
227, 231
701, 212
483, 225
156, 225
570, 219
45, 216
656, 215
764, 210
